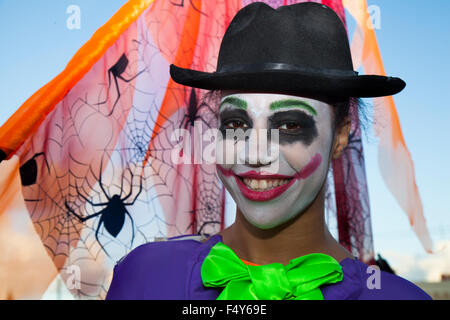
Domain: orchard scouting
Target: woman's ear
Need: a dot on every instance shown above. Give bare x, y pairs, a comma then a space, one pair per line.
341, 141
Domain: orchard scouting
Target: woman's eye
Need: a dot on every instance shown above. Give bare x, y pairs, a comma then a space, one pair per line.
289, 126
235, 124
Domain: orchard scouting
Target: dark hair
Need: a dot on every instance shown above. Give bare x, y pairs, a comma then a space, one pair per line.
352, 107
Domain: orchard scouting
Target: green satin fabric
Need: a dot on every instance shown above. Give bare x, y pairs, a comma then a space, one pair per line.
300, 279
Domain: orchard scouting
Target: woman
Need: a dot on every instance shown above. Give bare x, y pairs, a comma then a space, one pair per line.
287, 70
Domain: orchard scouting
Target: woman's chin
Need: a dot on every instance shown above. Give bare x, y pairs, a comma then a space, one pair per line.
265, 219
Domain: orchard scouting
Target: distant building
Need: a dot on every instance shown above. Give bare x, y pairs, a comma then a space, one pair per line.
437, 290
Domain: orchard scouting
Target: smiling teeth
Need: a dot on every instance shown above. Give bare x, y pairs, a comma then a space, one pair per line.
264, 184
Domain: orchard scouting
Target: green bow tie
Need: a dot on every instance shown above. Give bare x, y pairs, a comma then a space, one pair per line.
299, 280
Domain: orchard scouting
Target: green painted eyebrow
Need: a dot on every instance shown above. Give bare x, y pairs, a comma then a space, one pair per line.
238, 103
292, 103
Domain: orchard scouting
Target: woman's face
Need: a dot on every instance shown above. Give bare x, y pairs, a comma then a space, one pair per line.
273, 182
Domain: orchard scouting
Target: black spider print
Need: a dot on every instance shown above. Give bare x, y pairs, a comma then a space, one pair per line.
2, 155
29, 170
112, 217
116, 71
193, 111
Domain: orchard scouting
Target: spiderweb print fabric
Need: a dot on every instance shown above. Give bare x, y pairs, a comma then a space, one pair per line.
105, 181
98, 175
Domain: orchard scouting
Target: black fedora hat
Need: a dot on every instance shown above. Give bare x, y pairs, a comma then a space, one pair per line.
300, 49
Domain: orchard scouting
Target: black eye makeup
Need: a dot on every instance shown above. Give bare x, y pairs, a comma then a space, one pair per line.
234, 119
294, 126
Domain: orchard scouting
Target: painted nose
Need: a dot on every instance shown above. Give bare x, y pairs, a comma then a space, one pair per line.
259, 150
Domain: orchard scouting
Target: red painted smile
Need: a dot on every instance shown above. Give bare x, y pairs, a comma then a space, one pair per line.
259, 187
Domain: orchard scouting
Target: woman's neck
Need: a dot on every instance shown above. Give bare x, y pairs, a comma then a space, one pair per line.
305, 234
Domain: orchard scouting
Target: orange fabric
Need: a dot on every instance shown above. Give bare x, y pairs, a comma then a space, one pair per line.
395, 161
365, 52
189, 49
30, 115
190, 37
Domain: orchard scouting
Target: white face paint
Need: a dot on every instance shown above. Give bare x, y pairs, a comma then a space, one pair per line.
267, 198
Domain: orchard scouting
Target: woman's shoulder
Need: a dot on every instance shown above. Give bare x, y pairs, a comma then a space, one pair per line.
382, 285
155, 270
367, 282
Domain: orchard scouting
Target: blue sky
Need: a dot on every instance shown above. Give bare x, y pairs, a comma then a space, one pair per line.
414, 42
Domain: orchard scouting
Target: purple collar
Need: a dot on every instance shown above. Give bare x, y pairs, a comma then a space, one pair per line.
350, 287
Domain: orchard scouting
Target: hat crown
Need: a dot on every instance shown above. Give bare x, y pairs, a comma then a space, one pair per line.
301, 49
304, 35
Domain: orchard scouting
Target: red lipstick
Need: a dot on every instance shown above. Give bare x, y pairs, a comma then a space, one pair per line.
266, 195
260, 176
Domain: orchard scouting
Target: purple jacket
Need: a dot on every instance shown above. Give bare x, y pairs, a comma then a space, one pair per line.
170, 270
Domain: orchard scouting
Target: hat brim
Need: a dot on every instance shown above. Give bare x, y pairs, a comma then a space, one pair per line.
314, 85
